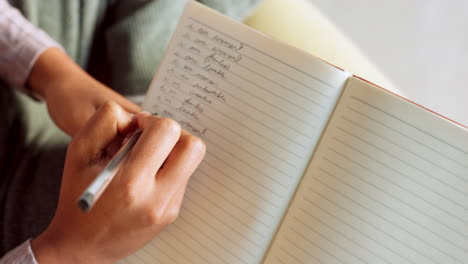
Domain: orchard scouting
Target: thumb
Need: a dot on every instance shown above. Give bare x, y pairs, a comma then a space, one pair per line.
109, 122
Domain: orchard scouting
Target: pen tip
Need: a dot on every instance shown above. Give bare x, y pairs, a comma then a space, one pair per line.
83, 205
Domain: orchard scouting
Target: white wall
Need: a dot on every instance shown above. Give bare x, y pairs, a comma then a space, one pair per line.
421, 45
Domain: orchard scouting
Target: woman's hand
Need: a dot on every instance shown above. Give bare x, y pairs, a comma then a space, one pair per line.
143, 198
71, 94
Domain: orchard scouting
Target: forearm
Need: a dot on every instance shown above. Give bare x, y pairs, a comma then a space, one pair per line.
71, 94
21, 43
34, 62
51, 249
54, 71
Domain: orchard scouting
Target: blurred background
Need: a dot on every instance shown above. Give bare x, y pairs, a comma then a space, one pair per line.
417, 48
421, 46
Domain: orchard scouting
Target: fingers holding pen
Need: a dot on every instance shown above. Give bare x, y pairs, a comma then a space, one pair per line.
162, 142
158, 138
144, 196
171, 180
179, 166
109, 122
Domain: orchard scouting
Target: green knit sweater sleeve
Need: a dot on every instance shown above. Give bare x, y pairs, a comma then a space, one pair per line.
138, 39
121, 42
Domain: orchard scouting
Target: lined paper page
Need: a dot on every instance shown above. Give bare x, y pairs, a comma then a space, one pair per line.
260, 107
388, 184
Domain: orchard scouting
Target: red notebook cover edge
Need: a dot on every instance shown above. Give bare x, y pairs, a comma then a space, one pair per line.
408, 100
398, 95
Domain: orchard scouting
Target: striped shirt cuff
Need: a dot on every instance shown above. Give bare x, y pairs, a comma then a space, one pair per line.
21, 43
21, 255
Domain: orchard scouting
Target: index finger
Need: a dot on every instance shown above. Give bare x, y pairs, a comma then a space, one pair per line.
158, 137
109, 121
179, 166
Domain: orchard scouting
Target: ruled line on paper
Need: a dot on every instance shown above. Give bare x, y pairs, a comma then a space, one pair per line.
348, 238
248, 128
254, 206
242, 185
206, 247
190, 249
212, 120
201, 44
237, 135
353, 130
280, 110
266, 90
310, 229
291, 255
392, 209
243, 55
173, 252
279, 260
248, 169
222, 200
407, 136
277, 119
259, 140
265, 54
250, 165
244, 137
424, 172
301, 249
263, 187
407, 149
380, 187
364, 220
161, 252
153, 258
411, 125
140, 259
263, 76
227, 237
234, 156
174, 248
393, 183
201, 233
234, 230
283, 87
406, 176
207, 68
236, 218
136, 257
315, 244
234, 256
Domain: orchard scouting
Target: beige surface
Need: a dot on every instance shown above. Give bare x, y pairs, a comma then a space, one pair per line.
305, 27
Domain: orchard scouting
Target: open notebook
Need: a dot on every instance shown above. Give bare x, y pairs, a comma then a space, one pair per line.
305, 163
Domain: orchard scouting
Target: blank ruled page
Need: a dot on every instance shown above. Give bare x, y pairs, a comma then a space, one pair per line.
388, 184
260, 106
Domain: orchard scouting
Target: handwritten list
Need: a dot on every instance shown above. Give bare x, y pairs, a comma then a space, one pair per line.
260, 111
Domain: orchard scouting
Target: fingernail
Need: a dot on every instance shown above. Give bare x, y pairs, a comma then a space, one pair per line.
145, 113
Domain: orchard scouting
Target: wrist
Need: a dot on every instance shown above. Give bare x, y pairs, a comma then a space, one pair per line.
52, 249
45, 250
51, 71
